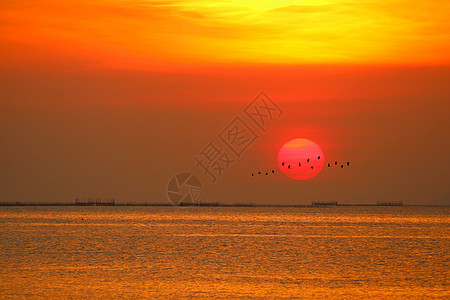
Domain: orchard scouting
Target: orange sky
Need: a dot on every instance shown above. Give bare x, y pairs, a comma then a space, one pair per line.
97, 96
161, 35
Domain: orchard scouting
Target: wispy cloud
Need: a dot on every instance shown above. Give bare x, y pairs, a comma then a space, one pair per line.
264, 31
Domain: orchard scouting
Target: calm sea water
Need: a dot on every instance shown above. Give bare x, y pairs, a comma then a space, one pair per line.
227, 253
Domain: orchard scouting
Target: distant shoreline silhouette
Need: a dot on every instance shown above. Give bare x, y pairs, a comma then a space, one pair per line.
219, 204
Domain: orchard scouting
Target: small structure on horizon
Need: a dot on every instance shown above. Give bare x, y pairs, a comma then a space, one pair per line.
324, 203
384, 203
97, 202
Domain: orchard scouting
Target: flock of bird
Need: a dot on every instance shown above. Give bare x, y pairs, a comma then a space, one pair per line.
299, 164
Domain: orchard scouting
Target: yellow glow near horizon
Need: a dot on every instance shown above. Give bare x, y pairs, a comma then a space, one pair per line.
238, 32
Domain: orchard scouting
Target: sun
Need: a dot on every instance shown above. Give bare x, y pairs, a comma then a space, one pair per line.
300, 159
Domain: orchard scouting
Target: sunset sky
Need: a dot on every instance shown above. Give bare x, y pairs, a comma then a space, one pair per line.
112, 98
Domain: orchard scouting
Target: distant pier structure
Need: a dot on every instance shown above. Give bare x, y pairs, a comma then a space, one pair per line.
324, 203
384, 203
95, 201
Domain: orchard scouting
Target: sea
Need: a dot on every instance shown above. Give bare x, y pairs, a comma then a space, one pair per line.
165, 252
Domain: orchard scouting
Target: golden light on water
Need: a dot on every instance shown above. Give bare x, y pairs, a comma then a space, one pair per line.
200, 252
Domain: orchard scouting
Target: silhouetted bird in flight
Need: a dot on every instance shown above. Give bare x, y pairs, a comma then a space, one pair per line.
289, 166
318, 157
328, 165
335, 162
273, 171
307, 160
342, 166
282, 164
348, 164
312, 167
